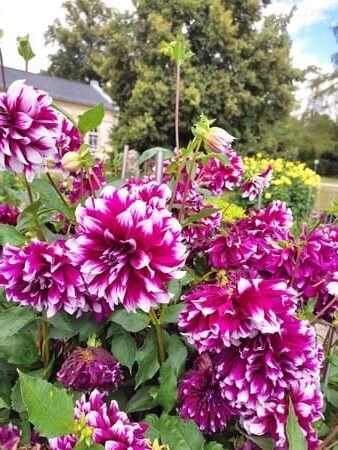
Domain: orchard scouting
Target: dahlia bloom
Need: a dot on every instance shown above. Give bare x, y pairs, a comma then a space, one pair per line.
258, 378
200, 397
90, 368
217, 176
217, 140
42, 276
257, 184
110, 426
127, 249
28, 129
86, 181
68, 139
9, 214
218, 316
9, 437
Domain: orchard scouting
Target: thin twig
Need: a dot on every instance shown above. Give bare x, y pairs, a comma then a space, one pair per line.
328, 438
323, 311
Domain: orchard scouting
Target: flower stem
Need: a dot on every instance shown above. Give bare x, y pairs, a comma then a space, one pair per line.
328, 438
186, 187
38, 229
177, 106
52, 182
45, 350
159, 336
322, 311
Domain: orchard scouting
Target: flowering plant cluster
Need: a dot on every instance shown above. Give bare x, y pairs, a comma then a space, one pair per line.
156, 313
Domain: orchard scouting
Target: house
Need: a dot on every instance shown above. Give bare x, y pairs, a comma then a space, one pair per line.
75, 98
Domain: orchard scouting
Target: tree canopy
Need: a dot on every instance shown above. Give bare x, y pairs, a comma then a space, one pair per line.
241, 72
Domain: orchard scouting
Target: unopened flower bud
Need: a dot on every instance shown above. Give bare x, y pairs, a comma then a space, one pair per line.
216, 139
71, 161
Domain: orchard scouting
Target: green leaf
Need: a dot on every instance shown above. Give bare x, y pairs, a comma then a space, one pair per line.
10, 235
200, 215
49, 408
177, 354
49, 196
331, 396
123, 347
180, 434
133, 322
167, 393
294, 433
151, 152
16, 398
264, 443
3, 404
172, 312
141, 400
175, 288
147, 359
14, 319
154, 430
91, 119
213, 446
24, 48
19, 349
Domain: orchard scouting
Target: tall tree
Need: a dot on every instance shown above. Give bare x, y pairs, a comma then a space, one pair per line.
79, 41
240, 74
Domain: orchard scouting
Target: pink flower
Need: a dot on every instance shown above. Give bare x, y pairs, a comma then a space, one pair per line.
9, 214
67, 442
28, 129
200, 397
110, 426
217, 176
259, 377
257, 184
90, 368
42, 276
128, 248
218, 316
86, 181
9, 437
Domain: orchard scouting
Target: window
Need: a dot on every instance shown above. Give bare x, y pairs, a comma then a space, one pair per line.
93, 139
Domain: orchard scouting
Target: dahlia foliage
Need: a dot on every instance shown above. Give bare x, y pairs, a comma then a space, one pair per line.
155, 313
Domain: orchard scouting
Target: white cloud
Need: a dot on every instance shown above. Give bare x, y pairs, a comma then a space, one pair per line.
21, 17
307, 13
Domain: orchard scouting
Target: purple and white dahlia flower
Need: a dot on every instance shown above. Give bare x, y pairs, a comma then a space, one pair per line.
28, 129
200, 397
128, 248
257, 184
218, 316
42, 276
9, 214
109, 426
9, 437
90, 368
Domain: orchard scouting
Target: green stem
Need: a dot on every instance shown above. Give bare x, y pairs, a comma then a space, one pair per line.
177, 107
159, 335
45, 350
186, 187
3, 72
329, 438
52, 182
38, 229
64, 113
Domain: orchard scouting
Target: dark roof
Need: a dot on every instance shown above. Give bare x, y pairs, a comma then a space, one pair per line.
61, 89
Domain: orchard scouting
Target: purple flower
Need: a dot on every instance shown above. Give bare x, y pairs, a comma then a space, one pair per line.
9, 437
86, 181
257, 184
9, 214
217, 176
218, 316
110, 426
68, 139
90, 368
28, 129
62, 443
258, 378
42, 276
200, 397
127, 249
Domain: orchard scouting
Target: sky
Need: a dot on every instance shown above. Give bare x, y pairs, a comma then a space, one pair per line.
310, 29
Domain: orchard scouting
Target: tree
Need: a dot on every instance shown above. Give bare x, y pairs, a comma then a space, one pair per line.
239, 75
80, 41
